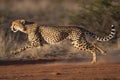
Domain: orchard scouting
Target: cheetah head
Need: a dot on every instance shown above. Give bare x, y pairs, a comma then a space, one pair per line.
18, 25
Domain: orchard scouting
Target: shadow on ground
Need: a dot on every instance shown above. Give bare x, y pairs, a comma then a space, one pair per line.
42, 61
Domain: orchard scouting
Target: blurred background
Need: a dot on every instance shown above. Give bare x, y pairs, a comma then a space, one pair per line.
94, 15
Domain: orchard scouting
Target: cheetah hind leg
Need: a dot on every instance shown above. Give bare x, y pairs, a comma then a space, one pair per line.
80, 47
94, 60
94, 53
99, 49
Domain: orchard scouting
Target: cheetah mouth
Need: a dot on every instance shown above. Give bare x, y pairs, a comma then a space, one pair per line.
13, 29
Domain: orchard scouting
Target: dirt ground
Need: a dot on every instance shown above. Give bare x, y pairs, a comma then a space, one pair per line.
57, 69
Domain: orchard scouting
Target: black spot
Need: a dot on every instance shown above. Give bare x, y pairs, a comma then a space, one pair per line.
85, 49
81, 49
113, 31
113, 27
110, 36
28, 22
106, 39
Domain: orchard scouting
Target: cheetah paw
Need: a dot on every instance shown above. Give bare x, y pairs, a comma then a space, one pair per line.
104, 53
93, 62
13, 52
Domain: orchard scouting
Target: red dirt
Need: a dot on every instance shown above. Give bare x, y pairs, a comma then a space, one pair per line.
57, 70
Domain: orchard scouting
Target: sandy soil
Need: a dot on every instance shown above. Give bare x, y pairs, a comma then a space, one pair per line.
57, 69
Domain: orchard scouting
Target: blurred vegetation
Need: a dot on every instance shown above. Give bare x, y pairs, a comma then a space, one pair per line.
98, 15
94, 15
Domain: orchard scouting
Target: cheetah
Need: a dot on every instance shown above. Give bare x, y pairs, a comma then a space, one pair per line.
52, 34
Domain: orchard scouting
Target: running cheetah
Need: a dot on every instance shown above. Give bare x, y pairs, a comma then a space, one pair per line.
53, 34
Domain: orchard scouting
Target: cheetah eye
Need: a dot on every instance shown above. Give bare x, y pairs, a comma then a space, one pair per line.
13, 29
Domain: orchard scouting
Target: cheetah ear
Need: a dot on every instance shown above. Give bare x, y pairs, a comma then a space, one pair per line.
22, 21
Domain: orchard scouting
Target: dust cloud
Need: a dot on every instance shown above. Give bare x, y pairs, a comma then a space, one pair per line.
113, 56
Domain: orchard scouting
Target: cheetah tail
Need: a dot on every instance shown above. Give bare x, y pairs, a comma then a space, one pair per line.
106, 38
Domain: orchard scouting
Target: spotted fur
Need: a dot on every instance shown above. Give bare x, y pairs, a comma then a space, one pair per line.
53, 34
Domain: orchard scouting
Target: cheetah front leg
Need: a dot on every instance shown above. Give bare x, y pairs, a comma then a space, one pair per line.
21, 49
24, 48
